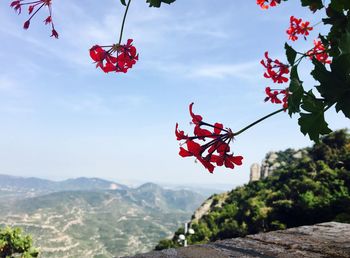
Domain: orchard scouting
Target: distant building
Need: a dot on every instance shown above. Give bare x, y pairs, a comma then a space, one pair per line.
255, 172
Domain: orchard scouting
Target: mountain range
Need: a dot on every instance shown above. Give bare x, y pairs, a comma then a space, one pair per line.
91, 217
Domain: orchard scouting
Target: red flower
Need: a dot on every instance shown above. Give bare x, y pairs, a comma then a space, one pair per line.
228, 160
275, 69
180, 135
273, 96
26, 25
264, 4
206, 164
216, 151
124, 58
319, 52
54, 34
17, 6
35, 6
201, 133
196, 119
297, 27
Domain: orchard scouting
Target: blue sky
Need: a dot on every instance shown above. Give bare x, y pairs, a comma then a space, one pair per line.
63, 118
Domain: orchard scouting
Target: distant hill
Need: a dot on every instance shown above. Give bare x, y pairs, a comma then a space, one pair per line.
303, 189
14, 187
86, 218
15, 182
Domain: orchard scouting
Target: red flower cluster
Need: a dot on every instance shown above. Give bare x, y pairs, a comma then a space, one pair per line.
264, 4
216, 151
35, 6
275, 69
298, 27
319, 52
273, 96
124, 59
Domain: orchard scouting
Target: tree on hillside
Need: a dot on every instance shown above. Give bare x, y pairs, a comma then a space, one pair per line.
14, 244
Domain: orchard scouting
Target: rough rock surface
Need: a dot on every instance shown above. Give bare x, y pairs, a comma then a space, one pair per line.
329, 239
208, 204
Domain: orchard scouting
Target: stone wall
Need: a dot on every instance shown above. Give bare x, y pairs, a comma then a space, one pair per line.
329, 239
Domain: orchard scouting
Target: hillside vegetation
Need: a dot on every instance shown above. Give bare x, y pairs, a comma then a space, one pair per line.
14, 244
99, 222
311, 188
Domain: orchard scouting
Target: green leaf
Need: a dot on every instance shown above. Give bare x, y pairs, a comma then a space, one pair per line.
344, 43
157, 3
291, 54
340, 5
340, 92
344, 105
324, 40
335, 84
311, 104
296, 89
313, 123
339, 22
123, 2
313, 4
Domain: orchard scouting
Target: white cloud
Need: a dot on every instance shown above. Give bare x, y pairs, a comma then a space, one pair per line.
90, 103
221, 71
98, 104
130, 100
13, 99
245, 71
10, 87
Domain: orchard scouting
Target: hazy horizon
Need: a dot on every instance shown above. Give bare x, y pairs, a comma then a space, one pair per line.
137, 183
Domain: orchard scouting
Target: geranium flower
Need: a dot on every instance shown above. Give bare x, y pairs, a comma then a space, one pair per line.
319, 52
117, 58
273, 96
214, 152
264, 4
33, 9
298, 27
275, 69
180, 135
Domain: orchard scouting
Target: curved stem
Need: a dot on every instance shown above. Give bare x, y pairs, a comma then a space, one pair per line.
123, 22
317, 24
258, 121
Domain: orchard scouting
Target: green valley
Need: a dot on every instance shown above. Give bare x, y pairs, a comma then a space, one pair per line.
98, 222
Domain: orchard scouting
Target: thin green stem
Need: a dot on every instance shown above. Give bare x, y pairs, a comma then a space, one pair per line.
258, 121
317, 24
327, 108
299, 59
123, 23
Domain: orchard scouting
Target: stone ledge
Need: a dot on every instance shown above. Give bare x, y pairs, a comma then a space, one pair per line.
331, 239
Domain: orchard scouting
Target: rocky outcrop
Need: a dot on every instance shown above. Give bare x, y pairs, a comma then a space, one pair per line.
329, 239
215, 200
272, 161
